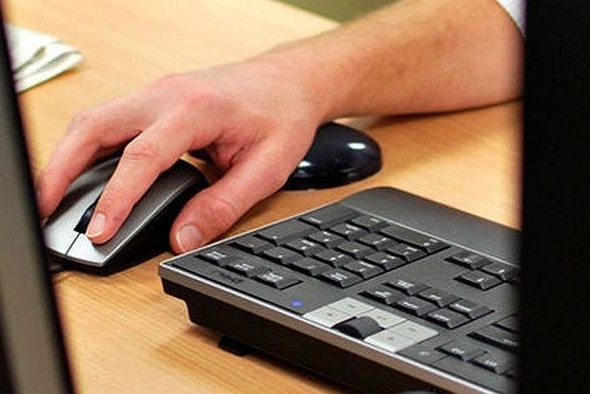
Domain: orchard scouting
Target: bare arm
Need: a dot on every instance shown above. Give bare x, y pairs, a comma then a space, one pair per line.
413, 56
416, 56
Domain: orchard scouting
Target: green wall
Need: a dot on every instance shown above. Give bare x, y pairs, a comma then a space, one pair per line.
339, 10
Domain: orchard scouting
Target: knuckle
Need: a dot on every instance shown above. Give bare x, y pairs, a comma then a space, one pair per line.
141, 150
83, 119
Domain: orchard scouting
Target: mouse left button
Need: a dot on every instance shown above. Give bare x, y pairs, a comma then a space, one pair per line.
82, 225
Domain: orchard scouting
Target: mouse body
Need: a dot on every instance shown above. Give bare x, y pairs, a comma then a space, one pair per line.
143, 234
339, 155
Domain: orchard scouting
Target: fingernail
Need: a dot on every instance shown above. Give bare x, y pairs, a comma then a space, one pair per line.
96, 225
188, 237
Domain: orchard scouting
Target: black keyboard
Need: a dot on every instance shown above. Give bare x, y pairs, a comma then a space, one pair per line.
382, 292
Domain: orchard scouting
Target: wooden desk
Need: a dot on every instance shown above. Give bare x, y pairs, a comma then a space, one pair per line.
124, 334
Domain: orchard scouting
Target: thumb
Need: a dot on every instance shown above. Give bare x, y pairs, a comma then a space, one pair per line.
215, 209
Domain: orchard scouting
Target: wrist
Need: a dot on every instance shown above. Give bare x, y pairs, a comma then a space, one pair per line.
324, 73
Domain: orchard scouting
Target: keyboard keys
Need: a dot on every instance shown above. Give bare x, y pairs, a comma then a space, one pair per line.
355, 249
348, 231
334, 258
281, 255
284, 232
479, 279
368, 223
498, 337
415, 306
388, 288
470, 309
383, 318
362, 269
407, 286
341, 278
461, 350
499, 270
468, 259
326, 239
383, 295
252, 244
310, 266
422, 354
277, 280
390, 340
377, 241
218, 257
246, 268
497, 363
338, 312
425, 242
385, 261
304, 246
327, 316
360, 327
439, 297
401, 336
406, 252
351, 305
447, 318
327, 217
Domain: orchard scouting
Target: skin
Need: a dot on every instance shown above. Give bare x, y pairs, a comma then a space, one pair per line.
413, 56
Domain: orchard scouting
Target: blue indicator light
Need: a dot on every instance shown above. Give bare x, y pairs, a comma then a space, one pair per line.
297, 303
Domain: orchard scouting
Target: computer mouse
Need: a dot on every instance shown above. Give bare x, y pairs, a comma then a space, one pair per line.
143, 234
339, 155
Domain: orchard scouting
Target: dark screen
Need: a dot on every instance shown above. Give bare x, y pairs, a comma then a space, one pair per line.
555, 300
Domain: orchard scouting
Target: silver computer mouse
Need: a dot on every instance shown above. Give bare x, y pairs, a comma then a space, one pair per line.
144, 232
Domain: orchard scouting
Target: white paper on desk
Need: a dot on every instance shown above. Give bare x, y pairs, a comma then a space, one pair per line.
38, 57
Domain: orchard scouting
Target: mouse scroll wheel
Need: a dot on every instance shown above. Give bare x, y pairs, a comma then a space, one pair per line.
85, 219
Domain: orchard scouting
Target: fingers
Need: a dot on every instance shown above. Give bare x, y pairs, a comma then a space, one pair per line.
143, 160
91, 134
214, 210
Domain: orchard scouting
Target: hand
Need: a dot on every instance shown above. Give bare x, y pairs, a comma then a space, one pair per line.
256, 119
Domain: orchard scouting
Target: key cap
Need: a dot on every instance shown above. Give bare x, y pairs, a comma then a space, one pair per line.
385, 261
470, 309
461, 350
355, 249
408, 286
369, 223
310, 266
252, 244
281, 255
469, 260
284, 232
406, 252
497, 337
341, 278
365, 270
334, 258
277, 280
414, 238
329, 216
479, 279
360, 327
415, 306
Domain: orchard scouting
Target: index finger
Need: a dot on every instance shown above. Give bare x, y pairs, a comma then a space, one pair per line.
91, 134
143, 160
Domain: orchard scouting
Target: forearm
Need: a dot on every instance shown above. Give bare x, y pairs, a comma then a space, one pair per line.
413, 56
